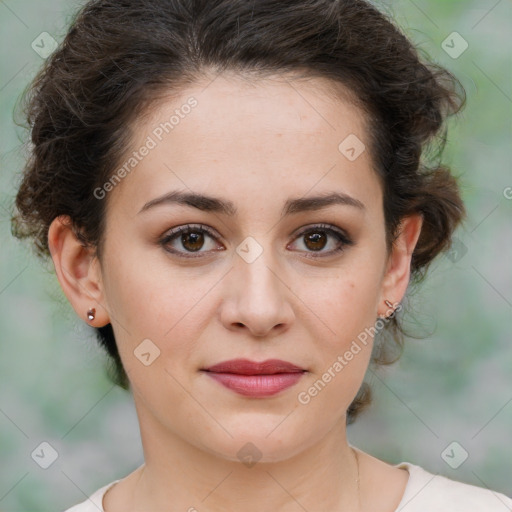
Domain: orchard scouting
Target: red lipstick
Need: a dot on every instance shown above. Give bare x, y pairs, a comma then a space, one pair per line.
256, 379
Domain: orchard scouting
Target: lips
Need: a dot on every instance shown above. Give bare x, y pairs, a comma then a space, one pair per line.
256, 379
247, 367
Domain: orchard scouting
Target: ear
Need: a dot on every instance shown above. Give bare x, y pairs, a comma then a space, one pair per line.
398, 267
78, 271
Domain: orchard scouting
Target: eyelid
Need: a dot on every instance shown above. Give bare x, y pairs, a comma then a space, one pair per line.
325, 227
176, 231
343, 238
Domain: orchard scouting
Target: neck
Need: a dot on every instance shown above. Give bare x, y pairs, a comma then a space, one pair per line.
323, 476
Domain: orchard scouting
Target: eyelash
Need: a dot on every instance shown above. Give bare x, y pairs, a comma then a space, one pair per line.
342, 238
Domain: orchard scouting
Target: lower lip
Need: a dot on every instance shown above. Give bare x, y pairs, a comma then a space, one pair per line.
257, 385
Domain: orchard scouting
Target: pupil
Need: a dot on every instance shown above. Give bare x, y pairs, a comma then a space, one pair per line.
317, 240
195, 239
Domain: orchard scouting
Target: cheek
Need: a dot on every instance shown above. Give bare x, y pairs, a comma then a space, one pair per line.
347, 308
344, 342
156, 303
347, 303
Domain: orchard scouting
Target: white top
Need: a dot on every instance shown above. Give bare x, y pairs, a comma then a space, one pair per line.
425, 492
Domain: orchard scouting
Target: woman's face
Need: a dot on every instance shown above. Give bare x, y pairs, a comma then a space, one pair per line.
268, 278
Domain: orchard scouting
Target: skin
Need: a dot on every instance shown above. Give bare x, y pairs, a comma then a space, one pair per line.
256, 144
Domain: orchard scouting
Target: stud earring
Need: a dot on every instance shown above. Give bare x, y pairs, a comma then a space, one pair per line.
91, 313
389, 305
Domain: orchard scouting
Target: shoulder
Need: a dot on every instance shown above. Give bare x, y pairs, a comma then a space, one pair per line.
94, 503
427, 492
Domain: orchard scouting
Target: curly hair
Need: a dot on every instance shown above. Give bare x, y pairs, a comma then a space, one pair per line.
120, 57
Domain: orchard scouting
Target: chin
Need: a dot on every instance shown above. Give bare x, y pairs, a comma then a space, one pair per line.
259, 442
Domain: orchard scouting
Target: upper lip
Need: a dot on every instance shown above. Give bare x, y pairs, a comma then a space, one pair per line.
248, 367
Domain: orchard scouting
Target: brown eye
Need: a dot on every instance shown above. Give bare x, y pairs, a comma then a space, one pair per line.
316, 238
188, 239
192, 241
316, 241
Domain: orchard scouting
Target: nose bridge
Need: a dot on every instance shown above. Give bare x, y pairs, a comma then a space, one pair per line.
257, 269
260, 299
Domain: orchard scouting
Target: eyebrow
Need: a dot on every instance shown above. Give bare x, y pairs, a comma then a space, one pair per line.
215, 204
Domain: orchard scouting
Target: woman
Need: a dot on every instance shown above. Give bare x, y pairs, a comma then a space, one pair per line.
233, 194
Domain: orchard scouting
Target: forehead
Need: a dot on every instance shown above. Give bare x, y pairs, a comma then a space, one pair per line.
268, 136
279, 103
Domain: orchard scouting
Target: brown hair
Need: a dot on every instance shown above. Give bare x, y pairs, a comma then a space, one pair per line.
120, 56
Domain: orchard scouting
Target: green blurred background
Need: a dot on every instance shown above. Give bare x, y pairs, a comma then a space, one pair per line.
455, 385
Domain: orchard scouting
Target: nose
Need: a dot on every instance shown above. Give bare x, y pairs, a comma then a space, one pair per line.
258, 298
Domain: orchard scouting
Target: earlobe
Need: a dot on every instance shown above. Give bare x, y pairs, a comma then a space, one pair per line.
398, 266
78, 272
